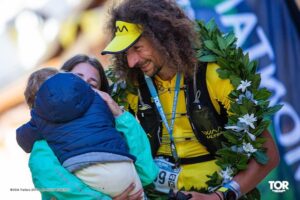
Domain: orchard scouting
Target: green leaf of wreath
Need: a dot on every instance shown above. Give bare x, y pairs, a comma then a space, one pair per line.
208, 58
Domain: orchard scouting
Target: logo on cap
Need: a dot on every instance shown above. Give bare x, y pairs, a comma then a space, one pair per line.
121, 29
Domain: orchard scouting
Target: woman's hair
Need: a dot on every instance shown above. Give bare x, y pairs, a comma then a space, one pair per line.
35, 80
80, 58
168, 28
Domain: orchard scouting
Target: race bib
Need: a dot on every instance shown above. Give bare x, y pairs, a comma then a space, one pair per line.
167, 176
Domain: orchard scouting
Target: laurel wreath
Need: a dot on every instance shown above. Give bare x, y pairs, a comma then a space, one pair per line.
249, 106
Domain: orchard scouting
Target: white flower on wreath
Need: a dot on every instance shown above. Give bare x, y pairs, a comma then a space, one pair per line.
226, 174
248, 148
248, 119
243, 125
252, 137
244, 84
247, 95
239, 127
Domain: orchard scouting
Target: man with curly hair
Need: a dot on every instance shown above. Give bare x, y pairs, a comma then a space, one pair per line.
182, 104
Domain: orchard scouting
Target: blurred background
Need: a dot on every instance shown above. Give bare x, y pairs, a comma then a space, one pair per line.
41, 33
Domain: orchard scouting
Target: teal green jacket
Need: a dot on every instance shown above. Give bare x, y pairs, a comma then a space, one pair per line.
53, 180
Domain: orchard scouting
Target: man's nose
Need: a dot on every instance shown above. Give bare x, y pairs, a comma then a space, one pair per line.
132, 58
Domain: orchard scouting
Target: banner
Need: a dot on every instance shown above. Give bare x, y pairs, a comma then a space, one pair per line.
268, 31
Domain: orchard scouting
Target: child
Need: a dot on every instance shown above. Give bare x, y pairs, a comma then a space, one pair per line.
35, 80
79, 128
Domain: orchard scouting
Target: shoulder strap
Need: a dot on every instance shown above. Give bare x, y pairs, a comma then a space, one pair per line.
205, 120
148, 115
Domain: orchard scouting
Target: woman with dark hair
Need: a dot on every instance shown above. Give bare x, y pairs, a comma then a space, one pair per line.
83, 63
57, 182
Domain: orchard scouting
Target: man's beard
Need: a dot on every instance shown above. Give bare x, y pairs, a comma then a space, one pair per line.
156, 67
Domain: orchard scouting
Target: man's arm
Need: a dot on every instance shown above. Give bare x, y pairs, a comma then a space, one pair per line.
255, 172
250, 178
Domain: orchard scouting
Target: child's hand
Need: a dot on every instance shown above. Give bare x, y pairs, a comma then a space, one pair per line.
113, 106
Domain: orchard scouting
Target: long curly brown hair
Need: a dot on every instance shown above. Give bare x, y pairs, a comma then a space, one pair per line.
166, 25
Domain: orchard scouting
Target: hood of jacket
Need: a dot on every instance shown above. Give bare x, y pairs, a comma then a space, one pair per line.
62, 98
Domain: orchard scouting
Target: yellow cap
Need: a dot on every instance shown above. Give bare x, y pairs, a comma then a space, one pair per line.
126, 35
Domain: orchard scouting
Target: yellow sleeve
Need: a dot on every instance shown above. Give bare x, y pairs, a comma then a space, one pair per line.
132, 101
218, 88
